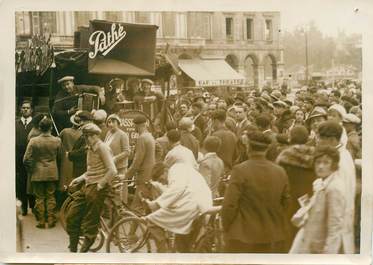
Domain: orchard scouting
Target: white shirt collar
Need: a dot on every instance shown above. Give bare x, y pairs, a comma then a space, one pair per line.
28, 120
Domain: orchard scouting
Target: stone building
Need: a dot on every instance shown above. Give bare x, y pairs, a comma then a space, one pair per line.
250, 42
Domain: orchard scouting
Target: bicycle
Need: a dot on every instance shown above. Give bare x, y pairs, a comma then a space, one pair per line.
208, 237
111, 214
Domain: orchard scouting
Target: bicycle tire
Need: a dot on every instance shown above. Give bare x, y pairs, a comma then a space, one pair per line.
210, 242
100, 239
63, 211
127, 222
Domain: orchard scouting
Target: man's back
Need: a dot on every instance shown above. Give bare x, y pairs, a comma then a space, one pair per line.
189, 141
227, 151
255, 202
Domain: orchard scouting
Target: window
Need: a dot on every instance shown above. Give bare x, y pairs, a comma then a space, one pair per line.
268, 29
229, 27
142, 17
249, 28
23, 23
113, 16
169, 24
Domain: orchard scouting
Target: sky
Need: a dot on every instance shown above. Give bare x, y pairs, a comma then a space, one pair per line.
330, 16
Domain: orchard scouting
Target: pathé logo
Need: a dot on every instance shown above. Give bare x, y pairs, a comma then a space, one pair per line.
105, 42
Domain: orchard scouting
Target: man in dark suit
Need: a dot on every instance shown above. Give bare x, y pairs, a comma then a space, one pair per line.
23, 127
198, 118
253, 211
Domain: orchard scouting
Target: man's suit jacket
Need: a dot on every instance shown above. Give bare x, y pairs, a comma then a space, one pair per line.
144, 159
255, 202
42, 156
21, 142
188, 140
211, 168
78, 155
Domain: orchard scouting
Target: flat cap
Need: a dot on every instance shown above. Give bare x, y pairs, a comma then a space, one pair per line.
139, 119
258, 138
186, 123
146, 80
99, 115
339, 108
280, 103
351, 118
65, 78
84, 115
91, 128
330, 129
276, 95
316, 112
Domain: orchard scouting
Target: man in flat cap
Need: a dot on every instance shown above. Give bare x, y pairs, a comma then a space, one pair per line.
83, 217
350, 123
255, 202
66, 103
144, 159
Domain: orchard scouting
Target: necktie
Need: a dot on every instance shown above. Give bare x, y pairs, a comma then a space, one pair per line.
25, 123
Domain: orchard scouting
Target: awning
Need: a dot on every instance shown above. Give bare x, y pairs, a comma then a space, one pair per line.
211, 72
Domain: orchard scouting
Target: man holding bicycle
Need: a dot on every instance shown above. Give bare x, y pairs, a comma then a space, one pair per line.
83, 217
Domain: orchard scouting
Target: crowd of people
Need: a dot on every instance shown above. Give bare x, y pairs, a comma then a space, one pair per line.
287, 163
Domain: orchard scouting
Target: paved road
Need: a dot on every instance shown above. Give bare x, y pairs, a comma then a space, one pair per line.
42, 240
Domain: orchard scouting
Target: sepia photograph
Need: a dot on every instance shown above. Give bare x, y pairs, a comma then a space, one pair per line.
206, 131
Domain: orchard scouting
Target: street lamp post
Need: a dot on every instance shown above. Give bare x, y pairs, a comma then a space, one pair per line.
306, 44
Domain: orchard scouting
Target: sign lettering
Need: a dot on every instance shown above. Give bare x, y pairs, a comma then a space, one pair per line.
104, 42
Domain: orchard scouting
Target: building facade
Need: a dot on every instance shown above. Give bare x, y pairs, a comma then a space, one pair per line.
249, 41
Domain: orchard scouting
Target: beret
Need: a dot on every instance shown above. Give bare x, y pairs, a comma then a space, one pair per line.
65, 78
91, 128
139, 119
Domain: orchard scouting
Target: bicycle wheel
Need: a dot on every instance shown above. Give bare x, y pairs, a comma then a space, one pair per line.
64, 210
210, 242
99, 241
128, 235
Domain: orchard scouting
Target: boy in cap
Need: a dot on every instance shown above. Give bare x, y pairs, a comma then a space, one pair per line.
83, 217
78, 153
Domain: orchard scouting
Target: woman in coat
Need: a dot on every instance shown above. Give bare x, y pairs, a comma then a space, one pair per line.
41, 159
118, 142
297, 160
324, 221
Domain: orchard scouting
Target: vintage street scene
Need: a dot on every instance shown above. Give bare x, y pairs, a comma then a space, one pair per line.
187, 132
